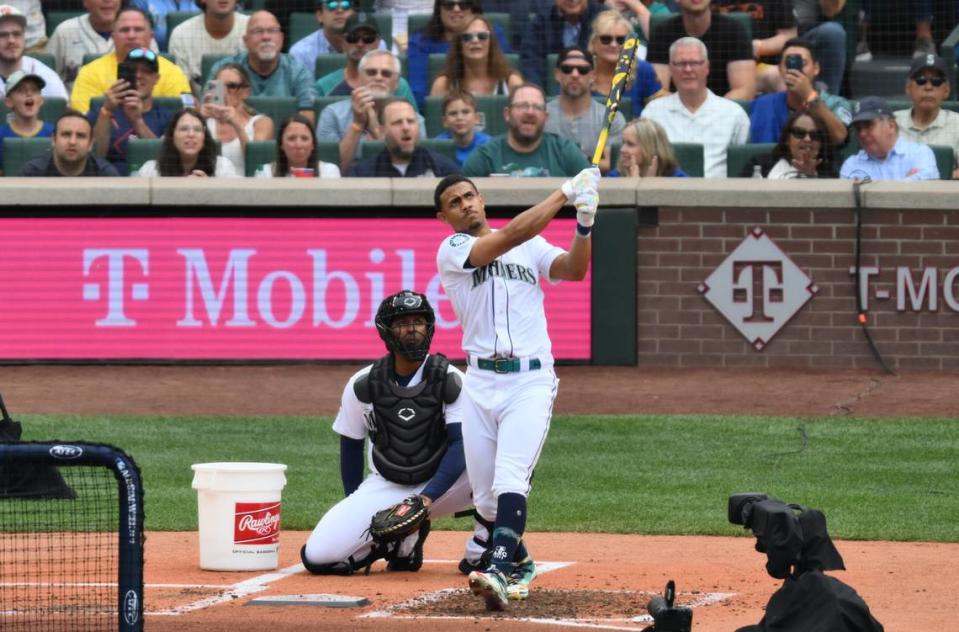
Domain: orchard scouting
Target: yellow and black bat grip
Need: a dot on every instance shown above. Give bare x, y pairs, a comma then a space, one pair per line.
620, 77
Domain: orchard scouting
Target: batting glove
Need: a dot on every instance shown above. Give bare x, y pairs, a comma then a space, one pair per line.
586, 203
587, 179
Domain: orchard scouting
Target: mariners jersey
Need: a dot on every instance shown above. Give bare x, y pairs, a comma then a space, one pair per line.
500, 305
352, 419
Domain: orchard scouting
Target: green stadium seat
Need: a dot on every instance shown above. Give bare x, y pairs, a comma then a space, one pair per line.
208, 62
141, 150
46, 59
176, 18
328, 151
690, 158
418, 21
302, 23
18, 151
56, 18
438, 60
322, 102
433, 113
738, 156
50, 111
259, 153
327, 63
277, 108
552, 87
944, 160
743, 18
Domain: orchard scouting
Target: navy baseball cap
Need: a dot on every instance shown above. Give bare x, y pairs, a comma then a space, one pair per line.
359, 21
933, 62
574, 53
871, 108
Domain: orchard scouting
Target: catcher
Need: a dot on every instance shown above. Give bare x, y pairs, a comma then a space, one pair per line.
409, 405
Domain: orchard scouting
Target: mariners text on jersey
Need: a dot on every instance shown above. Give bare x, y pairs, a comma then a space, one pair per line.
509, 271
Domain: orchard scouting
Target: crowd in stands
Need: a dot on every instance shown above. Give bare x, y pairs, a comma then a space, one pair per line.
409, 88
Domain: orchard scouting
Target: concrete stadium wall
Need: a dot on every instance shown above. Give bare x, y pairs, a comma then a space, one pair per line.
728, 273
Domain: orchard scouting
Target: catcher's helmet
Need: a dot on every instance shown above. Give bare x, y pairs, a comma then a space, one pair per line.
402, 304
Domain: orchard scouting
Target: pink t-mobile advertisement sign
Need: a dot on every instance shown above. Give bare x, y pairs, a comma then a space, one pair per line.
233, 289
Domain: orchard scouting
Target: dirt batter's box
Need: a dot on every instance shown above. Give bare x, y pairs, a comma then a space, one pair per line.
71, 538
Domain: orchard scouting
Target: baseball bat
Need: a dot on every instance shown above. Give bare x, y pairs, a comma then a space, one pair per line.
620, 77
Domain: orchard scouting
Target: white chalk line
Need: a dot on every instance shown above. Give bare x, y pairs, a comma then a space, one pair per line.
233, 592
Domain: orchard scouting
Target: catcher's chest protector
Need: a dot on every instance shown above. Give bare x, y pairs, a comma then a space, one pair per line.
408, 429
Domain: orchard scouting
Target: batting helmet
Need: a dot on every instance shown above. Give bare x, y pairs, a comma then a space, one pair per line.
402, 304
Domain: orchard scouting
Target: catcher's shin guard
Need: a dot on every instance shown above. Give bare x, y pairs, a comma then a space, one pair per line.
414, 561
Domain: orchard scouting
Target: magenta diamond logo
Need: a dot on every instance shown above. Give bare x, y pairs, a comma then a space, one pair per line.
758, 288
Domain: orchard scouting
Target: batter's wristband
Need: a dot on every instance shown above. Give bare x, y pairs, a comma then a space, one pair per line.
583, 231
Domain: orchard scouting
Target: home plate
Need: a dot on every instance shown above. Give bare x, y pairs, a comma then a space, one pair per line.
327, 601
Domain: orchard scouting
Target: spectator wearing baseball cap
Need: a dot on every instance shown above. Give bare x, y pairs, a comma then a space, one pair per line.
575, 114
885, 155
129, 111
24, 100
13, 26
927, 122
35, 23
131, 29
332, 16
71, 155
360, 36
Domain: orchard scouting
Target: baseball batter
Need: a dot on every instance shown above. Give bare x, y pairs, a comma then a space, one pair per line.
410, 405
492, 280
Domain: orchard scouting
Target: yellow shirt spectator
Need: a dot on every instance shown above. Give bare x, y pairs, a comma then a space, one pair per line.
96, 78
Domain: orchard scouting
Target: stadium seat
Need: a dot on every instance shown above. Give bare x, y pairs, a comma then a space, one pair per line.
418, 21
208, 62
176, 18
277, 108
46, 59
302, 23
329, 151
944, 160
259, 153
690, 158
327, 63
743, 18
50, 111
141, 150
56, 18
18, 151
551, 87
438, 60
322, 102
738, 156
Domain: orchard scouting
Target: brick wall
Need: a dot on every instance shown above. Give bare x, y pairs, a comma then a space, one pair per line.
679, 327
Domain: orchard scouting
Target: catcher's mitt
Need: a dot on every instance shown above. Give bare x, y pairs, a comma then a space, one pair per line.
395, 523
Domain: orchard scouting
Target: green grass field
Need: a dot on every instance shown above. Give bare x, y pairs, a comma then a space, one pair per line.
888, 479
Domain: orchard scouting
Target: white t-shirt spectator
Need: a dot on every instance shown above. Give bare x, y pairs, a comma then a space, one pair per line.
190, 41
31, 66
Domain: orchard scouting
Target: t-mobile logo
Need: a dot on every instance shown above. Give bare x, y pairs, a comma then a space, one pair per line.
757, 288
112, 262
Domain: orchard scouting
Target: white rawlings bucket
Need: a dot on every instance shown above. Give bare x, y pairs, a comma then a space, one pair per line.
239, 515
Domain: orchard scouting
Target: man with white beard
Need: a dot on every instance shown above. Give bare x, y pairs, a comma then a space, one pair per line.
349, 122
272, 73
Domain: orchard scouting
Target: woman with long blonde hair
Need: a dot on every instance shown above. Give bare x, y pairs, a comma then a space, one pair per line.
610, 31
476, 64
646, 152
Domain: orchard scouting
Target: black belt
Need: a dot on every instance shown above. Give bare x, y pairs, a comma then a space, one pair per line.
507, 365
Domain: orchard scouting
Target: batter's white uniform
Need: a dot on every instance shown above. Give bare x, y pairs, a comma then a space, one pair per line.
342, 532
500, 307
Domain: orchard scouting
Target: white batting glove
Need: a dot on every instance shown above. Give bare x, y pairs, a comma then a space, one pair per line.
586, 203
586, 179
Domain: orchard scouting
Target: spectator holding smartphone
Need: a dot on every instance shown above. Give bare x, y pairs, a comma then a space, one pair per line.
230, 119
128, 110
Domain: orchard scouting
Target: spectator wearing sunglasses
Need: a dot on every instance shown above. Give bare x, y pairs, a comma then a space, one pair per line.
575, 114
449, 19
235, 123
129, 112
732, 68
885, 154
557, 25
804, 150
131, 30
332, 16
476, 64
927, 122
768, 113
350, 122
272, 73
217, 31
361, 35
610, 31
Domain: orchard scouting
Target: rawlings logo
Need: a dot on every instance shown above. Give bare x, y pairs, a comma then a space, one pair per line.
66, 452
402, 510
256, 523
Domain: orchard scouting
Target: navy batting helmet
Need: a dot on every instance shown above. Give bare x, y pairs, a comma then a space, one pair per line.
402, 304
